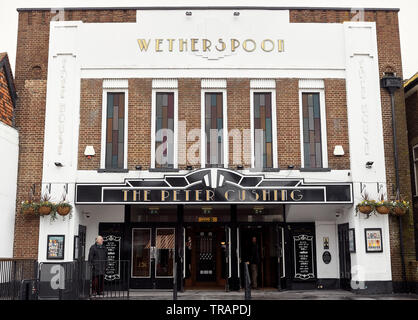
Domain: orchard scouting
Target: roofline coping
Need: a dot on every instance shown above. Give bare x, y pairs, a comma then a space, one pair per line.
206, 8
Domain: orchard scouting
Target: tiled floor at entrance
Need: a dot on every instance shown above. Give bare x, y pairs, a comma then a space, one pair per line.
263, 295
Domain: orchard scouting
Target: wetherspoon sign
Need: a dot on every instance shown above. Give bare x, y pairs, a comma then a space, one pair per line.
207, 45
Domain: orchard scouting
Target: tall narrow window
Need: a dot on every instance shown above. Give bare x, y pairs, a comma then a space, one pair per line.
263, 137
164, 130
115, 130
312, 144
415, 155
214, 129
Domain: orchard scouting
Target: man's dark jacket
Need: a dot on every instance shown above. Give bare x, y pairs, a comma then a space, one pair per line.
254, 256
98, 259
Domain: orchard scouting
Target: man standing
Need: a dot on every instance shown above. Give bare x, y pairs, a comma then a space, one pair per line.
98, 262
254, 261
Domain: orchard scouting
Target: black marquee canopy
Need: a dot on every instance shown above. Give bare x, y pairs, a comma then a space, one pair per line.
215, 186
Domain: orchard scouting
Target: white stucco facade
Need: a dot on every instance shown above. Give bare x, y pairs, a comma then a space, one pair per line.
343, 51
9, 142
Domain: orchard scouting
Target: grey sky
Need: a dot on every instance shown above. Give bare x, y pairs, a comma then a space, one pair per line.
407, 18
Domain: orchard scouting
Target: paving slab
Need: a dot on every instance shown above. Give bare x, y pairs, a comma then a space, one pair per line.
263, 295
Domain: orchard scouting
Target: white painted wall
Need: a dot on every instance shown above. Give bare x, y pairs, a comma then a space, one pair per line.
9, 143
365, 128
91, 216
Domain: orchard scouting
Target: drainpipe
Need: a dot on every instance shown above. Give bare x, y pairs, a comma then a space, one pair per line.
392, 83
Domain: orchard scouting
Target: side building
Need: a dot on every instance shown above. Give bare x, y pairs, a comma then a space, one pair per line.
411, 102
9, 146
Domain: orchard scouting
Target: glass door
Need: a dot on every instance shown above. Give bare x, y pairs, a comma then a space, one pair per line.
153, 256
141, 256
164, 252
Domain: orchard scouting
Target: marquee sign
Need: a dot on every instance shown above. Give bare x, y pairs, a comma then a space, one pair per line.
214, 186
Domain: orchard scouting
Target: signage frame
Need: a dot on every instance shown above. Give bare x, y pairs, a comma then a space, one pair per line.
189, 181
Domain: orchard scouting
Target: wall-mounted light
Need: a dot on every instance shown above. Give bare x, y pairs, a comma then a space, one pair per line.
258, 210
291, 167
236, 14
153, 210
190, 168
138, 167
188, 13
240, 167
58, 164
207, 210
369, 164
89, 152
339, 151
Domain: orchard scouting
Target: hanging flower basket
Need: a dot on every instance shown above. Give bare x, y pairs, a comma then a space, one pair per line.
29, 208
45, 209
384, 210
366, 206
365, 209
64, 208
400, 207
383, 207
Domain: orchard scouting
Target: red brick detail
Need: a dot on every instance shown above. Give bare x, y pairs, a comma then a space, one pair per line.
6, 103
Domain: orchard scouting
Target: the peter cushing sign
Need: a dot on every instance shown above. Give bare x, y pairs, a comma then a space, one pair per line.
213, 186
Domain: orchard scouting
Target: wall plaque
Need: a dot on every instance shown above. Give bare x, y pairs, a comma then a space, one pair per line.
326, 257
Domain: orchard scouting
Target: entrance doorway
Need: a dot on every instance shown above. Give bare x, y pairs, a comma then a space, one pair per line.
206, 256
345, 256
268, 243
153, 257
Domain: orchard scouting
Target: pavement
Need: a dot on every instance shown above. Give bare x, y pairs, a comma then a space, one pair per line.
262, 295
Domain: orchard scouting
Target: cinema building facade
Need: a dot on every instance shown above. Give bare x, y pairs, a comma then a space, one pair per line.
179, 134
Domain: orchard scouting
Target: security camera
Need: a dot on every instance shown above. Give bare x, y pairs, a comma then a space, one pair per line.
338, 213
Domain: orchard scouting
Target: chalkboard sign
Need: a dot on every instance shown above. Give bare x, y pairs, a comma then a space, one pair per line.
303, 255
112, 244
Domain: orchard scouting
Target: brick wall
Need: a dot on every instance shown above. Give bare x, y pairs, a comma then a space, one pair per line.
139, 136
411, 104
238, 104
238, 100
189, 100
91, 95
412, 116
6, 104
388, 42
288, 123
337, 123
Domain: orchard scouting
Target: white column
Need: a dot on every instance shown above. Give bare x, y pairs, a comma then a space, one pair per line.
62, 119
366, 144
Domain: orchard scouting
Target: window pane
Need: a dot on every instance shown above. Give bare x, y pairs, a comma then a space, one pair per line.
164, 130
165, 247
214, 132
312, 142
141, 244
115, 122
263, 135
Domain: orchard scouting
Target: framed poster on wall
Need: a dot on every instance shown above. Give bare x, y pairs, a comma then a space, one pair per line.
352, 240
373, 238
55, 247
